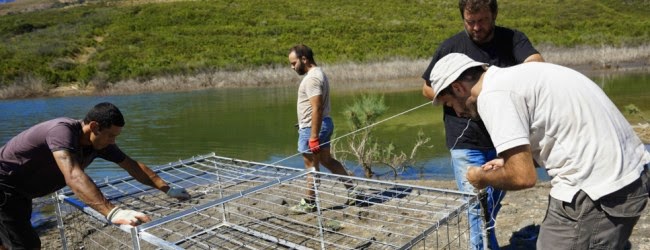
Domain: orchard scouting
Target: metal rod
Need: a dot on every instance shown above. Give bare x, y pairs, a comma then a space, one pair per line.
267, 237
200, 208
59, 220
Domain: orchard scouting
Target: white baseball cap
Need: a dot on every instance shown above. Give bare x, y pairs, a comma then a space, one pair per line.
448, 69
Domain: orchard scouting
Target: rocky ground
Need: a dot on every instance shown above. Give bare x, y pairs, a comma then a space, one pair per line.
523, 211
517, 223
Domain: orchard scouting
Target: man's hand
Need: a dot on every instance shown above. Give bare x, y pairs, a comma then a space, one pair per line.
474, 177
314, 145
493, 164
178, 193
126, 217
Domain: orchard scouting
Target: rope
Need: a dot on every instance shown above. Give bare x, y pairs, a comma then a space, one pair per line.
356, 131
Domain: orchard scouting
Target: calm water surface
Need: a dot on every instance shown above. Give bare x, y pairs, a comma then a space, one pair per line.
257, 124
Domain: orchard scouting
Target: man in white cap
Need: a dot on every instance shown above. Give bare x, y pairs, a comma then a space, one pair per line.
564, 121
467, 140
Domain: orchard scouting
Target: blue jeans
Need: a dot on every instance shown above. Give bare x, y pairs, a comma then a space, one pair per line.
324, 135
461, 159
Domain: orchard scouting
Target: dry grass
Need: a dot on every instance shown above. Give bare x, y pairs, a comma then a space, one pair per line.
25, 87
25, 6
604, 57
22, 6
643, 131
584, 59
272, 76
387, 74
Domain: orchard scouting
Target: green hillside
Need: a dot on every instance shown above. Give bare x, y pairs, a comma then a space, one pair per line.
106, 41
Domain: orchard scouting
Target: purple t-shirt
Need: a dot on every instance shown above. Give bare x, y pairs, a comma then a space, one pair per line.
27, 162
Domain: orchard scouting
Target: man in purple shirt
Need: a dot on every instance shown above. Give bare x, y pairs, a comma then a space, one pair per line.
55, 153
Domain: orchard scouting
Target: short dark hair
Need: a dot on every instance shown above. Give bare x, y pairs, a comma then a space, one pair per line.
476, 5
447, 91
106, 114
303, 50
470, 75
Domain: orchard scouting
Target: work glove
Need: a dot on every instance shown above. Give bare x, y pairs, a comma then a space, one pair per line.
314, 145
178, 193
126, 217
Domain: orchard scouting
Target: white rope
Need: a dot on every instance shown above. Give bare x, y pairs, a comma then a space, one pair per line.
356, 131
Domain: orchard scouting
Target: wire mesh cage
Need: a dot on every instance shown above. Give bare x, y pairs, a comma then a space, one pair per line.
240, 204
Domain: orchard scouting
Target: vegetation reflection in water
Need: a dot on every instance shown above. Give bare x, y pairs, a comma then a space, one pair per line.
258, 123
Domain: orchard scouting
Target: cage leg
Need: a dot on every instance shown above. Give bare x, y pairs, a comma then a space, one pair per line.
135, 237
59, 220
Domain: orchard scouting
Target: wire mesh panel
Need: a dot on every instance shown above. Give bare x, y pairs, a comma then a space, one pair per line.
245, 205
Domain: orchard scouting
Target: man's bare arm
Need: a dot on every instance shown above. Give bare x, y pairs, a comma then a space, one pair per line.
144, 174
80, 182
517, 172
316, 114
427, 91
534, 58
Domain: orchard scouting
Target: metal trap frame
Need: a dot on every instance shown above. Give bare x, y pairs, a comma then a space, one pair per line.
239, 204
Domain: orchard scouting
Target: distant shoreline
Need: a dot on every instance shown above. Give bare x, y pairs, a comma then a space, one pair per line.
394, 74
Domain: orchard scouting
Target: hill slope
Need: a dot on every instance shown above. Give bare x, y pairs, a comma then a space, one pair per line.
107, 41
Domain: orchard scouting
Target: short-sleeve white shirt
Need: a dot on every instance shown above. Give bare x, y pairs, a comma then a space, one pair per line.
573, 128
313, 84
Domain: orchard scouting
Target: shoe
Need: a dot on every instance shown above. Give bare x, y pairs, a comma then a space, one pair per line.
303, 207
354, 196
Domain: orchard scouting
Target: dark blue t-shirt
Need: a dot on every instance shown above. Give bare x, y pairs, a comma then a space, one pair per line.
508, 47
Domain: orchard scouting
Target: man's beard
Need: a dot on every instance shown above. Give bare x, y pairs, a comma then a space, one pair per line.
484, 39
472, 110
301, 69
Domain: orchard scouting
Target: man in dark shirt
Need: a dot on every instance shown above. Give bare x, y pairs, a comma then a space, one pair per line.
55, 153
468, 140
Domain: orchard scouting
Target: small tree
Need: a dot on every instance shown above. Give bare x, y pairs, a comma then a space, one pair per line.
633, 110
398, 162
361, 116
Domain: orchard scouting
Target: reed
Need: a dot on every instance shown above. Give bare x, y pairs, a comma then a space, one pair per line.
375, 74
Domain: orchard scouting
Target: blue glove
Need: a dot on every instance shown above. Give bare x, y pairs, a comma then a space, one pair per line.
178, 193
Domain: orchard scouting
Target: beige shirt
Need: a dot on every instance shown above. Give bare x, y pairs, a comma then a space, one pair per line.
313, 84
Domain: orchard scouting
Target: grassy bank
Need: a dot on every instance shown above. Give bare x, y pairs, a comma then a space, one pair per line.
100, 43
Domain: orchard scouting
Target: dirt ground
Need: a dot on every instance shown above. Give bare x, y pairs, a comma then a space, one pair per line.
517, 223
523, 211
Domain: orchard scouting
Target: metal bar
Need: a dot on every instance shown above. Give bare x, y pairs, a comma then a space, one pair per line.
126, 228
135, 239
223, 206
84, 208
314, 177
267, 237
205, 231
59, 221
443, 220
257, 163
156, 170
146, 189
200, 208
154, 240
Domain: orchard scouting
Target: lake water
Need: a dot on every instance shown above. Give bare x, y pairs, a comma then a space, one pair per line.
257, 124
